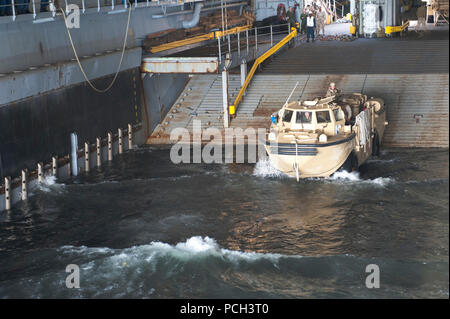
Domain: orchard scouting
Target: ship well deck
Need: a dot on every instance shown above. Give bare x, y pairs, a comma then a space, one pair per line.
410, 74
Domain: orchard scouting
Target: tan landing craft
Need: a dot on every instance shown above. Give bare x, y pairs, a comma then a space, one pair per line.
316, 138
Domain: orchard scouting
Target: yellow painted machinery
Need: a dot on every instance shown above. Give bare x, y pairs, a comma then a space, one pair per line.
399, 28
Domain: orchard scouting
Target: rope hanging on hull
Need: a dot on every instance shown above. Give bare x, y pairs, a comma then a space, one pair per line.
78, 59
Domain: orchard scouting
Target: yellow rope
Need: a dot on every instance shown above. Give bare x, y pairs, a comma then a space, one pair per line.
78, 60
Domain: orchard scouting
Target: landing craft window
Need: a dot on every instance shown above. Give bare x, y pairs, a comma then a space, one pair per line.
287, 116
338, 116
303, 117
323, 117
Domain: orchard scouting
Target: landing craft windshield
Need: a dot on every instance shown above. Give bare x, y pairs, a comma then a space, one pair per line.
287, 116
303, 117
323, 117
338, 116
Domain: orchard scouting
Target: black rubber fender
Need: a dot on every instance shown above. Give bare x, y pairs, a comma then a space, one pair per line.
350, 164
376, 145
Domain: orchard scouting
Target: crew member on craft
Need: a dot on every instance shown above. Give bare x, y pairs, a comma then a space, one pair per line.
332, 90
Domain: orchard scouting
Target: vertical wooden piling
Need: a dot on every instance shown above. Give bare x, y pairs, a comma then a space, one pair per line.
40, 173
24, 185
55, 166
7, 193
86, 157
130, 137
120, 134
110, 150
99, 152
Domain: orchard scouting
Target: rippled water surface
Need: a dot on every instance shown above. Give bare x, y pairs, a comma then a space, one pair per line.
146, 228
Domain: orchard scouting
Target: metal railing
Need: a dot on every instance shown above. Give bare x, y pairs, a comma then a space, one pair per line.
292, 33
13, 8
242, 40
332, 6
199, 38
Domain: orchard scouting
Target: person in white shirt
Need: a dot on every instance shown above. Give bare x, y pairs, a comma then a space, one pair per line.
310, 26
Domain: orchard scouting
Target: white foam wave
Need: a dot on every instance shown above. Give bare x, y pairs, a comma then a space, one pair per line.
264, 168
345, 177
201, 245
193, 247
382, 161
198, 244
49, 184
171, 178
84, 250
49, 180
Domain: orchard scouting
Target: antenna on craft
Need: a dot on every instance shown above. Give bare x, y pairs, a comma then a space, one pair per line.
290, 95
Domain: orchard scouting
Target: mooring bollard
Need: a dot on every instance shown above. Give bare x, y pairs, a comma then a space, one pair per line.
24, 185
130, 137
110, 153
86, 157
40, 173
99, 152
120, 134
7, 193
55, 166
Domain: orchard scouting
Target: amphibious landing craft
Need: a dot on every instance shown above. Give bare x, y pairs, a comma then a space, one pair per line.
318, 137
